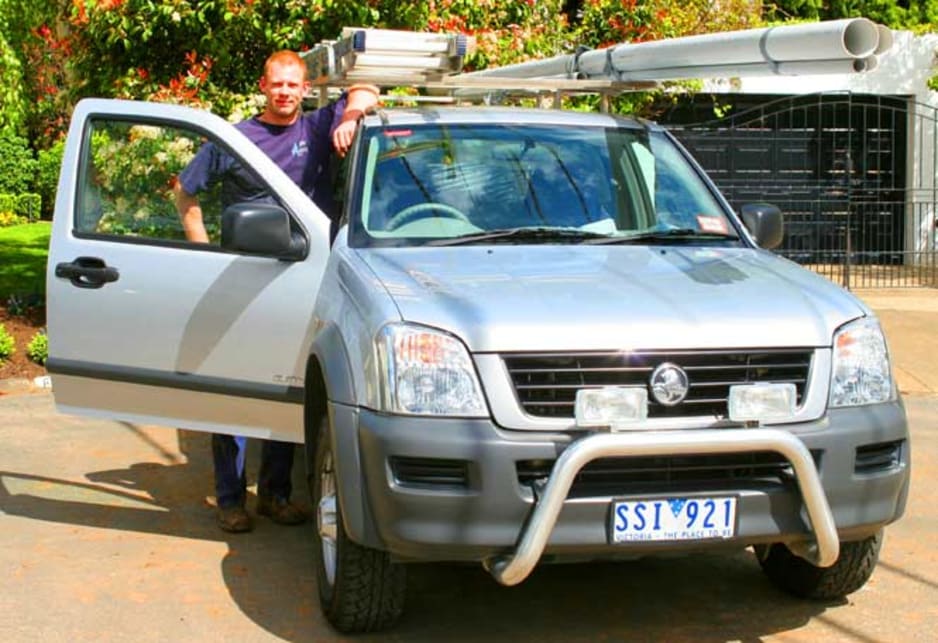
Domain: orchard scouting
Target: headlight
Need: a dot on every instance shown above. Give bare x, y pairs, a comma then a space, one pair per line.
426, 372
860, 373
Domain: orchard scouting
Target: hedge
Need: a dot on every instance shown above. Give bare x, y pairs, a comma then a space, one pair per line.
27, 205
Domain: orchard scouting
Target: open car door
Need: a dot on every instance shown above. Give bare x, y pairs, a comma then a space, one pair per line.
148, 327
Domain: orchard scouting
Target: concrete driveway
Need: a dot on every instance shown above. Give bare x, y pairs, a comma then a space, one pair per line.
107, 536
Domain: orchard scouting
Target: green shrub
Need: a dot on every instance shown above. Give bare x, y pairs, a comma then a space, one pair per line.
8, 219
13, 107
38, 348
17, 165
27, 205
7, 345
47, 178
19, 304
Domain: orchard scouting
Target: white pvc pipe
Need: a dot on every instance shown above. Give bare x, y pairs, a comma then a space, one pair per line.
870, 63
850, 37
556, 66
885, 40
780, 50
793, 68
856, 38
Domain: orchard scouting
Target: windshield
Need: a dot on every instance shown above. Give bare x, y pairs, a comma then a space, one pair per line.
445, 184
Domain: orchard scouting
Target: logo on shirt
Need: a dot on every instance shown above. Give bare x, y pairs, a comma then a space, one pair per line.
300, 148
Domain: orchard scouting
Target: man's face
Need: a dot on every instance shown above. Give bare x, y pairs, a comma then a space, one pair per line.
284, 86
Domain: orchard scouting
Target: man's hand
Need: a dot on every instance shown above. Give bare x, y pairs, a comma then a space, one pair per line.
343, 135
359, 100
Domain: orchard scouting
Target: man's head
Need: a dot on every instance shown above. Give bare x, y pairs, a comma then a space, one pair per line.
284, 84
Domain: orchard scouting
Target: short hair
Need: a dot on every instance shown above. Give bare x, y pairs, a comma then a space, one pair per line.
284, 57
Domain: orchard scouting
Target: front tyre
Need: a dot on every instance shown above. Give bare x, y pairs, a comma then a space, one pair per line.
360, 590
797, 576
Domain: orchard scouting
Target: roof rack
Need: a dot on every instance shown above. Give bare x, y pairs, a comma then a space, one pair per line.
434, 61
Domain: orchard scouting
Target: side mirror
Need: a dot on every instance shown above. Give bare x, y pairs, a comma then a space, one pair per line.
261, 228
764, 222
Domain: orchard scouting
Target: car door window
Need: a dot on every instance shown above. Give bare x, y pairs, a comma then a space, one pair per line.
130, 169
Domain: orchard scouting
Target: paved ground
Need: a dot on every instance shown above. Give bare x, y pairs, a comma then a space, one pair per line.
910, 318
106, 536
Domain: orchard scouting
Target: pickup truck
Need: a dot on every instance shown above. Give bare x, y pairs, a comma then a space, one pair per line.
537, 336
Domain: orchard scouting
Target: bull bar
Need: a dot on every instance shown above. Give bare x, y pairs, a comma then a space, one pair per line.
512, 568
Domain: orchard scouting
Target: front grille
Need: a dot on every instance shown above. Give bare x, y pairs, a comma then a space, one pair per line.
430, 472
546, 383
610, 476
874, 458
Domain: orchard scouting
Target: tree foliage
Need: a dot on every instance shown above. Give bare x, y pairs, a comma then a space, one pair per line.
12, 96
916, 15
32, 67
203, 51
604, 22
505, 31
12, 100
17, 164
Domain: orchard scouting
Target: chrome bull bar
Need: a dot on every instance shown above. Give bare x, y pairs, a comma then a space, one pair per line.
511, 569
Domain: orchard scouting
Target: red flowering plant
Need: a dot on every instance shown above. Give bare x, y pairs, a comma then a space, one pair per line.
191, 86
505, 31
44, 52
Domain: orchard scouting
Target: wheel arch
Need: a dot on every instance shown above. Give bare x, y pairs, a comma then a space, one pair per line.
329, 404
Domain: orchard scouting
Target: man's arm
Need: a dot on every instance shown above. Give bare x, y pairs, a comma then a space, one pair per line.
358, 101
190, 212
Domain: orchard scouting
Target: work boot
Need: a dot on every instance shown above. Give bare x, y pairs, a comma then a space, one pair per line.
281, 511
234, 519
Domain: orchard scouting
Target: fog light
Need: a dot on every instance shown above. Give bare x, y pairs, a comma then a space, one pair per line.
611, 406
762, 402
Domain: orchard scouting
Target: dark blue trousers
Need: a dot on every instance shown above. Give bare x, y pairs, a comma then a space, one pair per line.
273, 480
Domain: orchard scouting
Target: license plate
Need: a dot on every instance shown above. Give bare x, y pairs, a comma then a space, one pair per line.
666, 519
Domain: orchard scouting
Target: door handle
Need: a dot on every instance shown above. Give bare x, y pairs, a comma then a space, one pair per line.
87, 272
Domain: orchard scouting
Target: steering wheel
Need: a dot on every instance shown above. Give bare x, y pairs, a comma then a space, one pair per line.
414, 212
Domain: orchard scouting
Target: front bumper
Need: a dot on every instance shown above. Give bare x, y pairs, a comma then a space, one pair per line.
468, 502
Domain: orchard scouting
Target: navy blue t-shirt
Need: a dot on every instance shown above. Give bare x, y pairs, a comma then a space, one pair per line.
302, 150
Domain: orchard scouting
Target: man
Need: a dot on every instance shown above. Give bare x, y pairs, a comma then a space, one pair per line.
298, 143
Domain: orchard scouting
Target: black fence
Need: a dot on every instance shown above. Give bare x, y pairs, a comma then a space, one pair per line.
854, 174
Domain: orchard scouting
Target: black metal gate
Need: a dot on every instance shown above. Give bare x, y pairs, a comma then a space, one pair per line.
854, 174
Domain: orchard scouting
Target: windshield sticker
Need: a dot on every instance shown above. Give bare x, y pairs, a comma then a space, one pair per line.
712, 224
392, 133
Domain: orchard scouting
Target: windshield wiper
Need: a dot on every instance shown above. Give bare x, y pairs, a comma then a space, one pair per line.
665, 234
539, 233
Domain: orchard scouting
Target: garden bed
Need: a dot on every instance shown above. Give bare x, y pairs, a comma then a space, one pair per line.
23, 328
